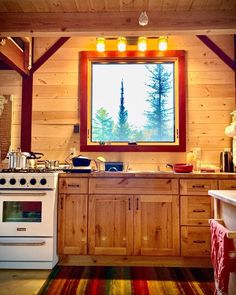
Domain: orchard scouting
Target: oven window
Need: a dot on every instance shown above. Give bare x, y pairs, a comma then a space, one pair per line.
22, 211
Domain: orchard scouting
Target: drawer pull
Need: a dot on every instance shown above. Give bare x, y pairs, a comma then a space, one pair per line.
199, 186
199, 242
199, 210
73, 185
233, 186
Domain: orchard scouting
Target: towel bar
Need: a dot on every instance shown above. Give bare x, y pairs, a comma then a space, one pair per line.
230, 234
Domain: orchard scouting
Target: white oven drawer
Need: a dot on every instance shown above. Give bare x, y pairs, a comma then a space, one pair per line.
26, 249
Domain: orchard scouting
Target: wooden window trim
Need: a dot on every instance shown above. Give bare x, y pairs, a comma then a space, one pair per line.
87, 56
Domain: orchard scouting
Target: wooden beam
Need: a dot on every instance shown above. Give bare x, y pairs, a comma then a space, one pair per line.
49, 53
26, 112
13, 56
109, 23
27, 95
219, 52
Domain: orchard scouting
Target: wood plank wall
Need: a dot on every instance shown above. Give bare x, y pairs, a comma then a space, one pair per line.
210, 93
11, 84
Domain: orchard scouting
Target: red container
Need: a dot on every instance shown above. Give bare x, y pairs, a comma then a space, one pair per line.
181, 168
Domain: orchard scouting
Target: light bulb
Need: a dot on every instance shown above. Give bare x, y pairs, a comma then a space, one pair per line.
142, 43
121, 44
162, 43
101, 46
143, 19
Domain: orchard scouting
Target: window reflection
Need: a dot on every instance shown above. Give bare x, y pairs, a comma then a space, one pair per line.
22, 211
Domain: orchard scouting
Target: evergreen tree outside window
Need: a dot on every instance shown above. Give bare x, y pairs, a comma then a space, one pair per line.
132, 103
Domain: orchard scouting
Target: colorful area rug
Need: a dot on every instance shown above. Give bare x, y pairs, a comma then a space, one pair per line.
105, 280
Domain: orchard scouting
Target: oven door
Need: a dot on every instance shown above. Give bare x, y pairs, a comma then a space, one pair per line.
27, 213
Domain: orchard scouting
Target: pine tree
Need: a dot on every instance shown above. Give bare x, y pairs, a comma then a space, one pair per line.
159, 114
122, 129
102, 126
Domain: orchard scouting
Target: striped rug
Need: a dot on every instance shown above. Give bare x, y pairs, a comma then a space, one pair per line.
106, 280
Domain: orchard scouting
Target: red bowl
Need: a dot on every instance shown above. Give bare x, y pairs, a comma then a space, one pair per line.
182, 168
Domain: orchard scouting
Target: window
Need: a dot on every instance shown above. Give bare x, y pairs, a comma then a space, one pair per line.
132, 101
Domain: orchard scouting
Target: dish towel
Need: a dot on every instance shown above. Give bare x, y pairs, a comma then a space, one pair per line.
222, 257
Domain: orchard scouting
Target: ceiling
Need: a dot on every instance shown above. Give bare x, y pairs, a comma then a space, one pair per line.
87, 17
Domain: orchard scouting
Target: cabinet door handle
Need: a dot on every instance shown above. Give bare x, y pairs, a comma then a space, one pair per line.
129, 201
199, 210
199, 242
73, 185
233, 187
61, 203
198, 186
137, 204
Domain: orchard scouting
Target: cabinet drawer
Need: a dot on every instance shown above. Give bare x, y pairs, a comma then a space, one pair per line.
197, 186
133, 186
73, 185
195, 241
227, 184
196, 210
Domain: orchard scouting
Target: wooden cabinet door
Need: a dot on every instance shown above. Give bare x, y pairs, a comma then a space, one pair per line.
110, 229
156, 225
72, 224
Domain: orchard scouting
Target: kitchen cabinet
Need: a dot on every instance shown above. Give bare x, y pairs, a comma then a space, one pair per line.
156, 225
110, 229
124, 223
196, 210
72, 225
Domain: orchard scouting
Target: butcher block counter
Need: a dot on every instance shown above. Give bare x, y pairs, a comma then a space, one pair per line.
137, 218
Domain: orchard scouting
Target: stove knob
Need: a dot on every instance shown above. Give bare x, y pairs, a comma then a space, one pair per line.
12, 181
43, 181
33, 181
22, 181
2, 181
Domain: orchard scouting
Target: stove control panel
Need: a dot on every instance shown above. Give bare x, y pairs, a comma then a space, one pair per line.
28, 180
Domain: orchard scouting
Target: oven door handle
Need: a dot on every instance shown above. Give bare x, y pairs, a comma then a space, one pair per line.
22, 243
23, 194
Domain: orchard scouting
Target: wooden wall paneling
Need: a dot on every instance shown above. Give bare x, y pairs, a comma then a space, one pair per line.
55, 91
49, 53
218, 51
55, 104
210, 100
212, 103
11, 83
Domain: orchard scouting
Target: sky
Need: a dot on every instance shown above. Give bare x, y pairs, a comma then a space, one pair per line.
106, 88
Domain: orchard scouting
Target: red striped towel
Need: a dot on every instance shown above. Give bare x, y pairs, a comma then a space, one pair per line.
222, 259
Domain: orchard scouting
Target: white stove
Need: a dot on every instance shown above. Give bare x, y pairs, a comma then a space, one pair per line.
29, 180
28, 219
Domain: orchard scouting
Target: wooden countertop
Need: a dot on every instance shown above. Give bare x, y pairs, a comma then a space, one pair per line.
151, 174
227, 196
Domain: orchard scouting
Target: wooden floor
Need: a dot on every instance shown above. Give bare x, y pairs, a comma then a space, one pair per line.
22, 282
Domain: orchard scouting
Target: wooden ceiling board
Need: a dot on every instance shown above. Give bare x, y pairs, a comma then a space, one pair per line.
69, 6
83, 6
55, 5
98, 6
108, 17
40, 5
12, 5
112, 5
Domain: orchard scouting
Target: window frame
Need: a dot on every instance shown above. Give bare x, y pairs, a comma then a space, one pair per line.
87, 57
